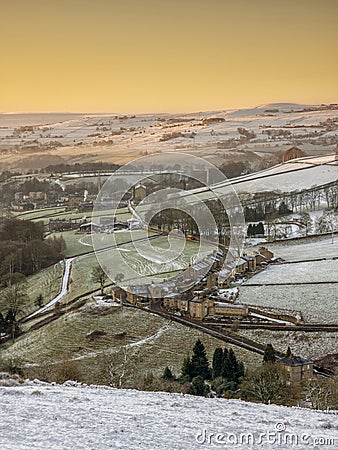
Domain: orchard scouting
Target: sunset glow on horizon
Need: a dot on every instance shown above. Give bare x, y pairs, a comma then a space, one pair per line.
161, 56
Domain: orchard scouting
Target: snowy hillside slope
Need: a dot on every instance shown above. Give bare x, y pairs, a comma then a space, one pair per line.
37, 415
295, 175
216, 135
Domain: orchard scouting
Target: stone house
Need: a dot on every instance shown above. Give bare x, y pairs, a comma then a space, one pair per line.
241, 266
224, 278
89, 227
266, 252
200, 307
198, 270
138, 294
118, 294
171, 301
36, 195
296, 369
155, 290
183, 305
63, 224
212, 280
263, 256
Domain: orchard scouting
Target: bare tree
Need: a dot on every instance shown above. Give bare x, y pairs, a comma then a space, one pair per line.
306, 220
99, 276
265, 384
327, 223
121, 367
322, 393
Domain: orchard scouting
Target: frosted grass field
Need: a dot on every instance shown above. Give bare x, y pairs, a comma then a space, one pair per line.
77, 244
134, 261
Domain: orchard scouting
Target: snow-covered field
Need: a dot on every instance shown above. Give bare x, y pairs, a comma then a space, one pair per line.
309, 249
294, 175
41, 416
214, 134
317, 302
302, 272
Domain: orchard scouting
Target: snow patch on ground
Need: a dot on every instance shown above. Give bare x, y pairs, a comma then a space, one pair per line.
38, 415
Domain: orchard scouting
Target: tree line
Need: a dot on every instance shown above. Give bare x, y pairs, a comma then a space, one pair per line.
23, 251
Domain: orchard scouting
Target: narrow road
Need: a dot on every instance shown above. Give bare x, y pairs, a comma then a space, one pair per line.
63, 291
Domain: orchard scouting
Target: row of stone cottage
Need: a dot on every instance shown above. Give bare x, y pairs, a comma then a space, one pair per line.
195, 301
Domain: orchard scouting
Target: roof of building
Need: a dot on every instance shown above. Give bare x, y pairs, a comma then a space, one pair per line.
229, 305
139, 289
198, 300
172, 295
224, 274
240, 262
294, 361
89, 224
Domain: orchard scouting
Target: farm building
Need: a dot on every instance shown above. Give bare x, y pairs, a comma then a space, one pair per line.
229, 310
107, 220
89, 227
63, 224
138, 294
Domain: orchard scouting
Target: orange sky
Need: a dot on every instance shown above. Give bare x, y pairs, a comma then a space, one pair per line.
175, 55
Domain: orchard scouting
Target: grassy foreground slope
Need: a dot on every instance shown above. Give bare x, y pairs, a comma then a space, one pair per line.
150, 342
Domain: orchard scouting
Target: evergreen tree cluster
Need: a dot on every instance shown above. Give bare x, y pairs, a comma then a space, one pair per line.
255, 229
224, 374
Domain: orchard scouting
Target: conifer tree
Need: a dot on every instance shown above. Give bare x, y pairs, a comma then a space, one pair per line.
260, 229
167, 374
269, 354
217, 363
225, 364
199, 387
199, 361
240, 371
288, 352
187, 368
233, 366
